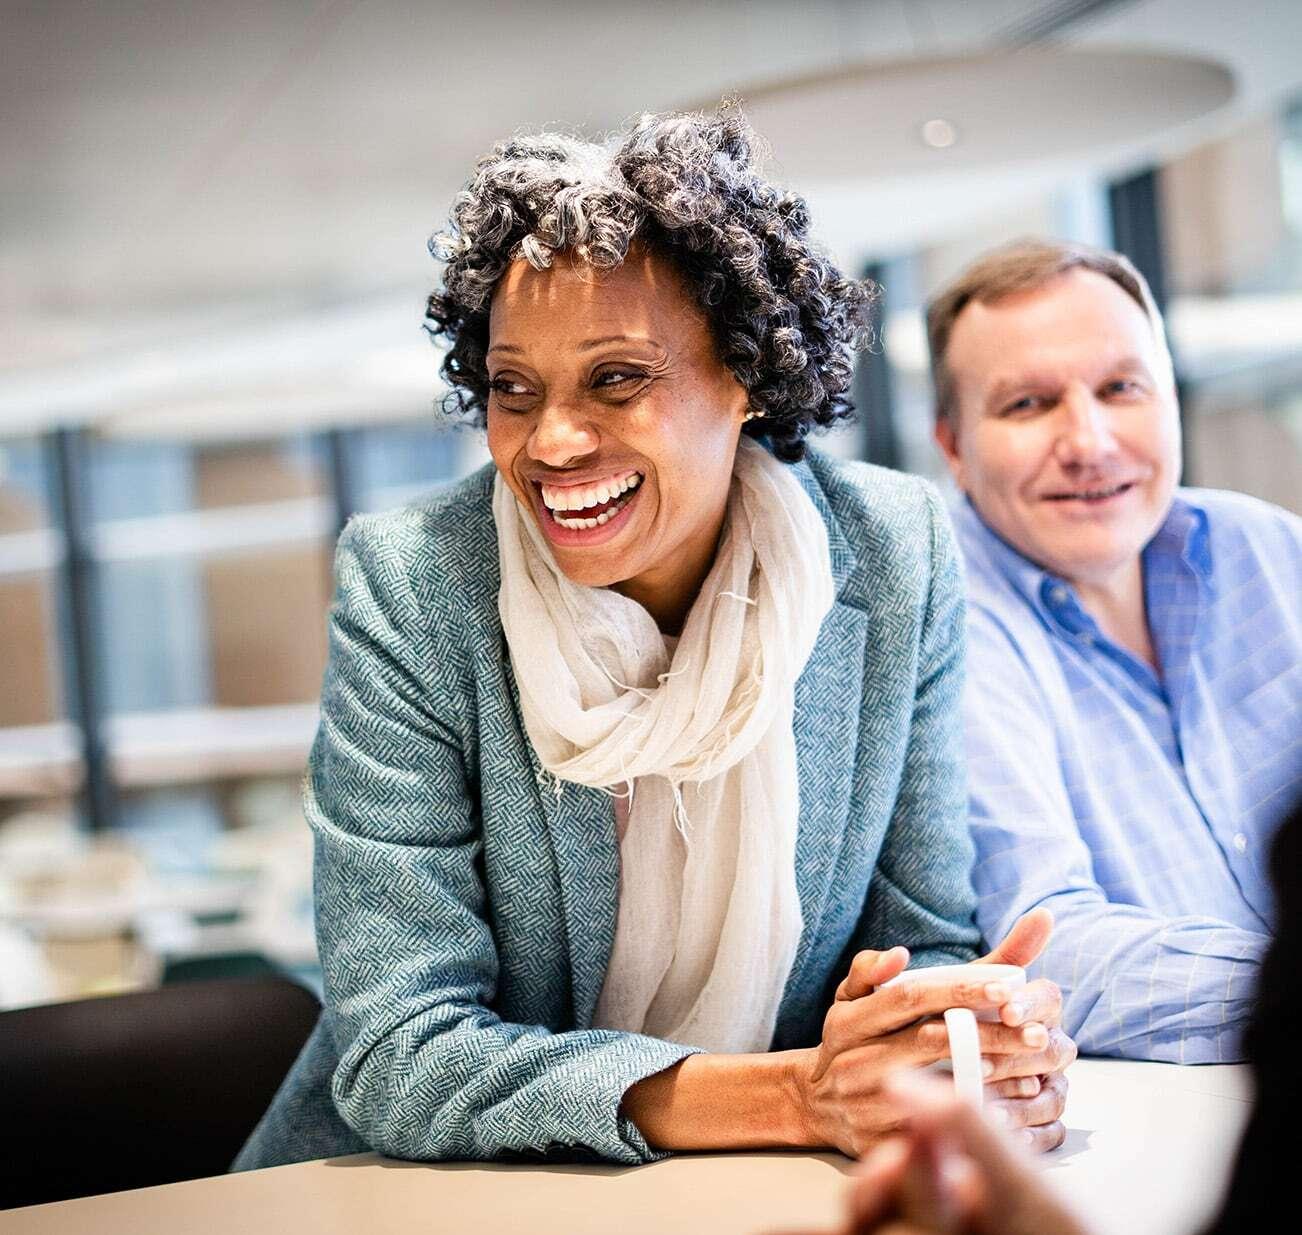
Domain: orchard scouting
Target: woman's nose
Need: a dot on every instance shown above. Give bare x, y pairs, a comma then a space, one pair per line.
1087, 435
561, 434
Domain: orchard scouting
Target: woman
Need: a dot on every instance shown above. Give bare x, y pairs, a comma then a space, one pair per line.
632, 741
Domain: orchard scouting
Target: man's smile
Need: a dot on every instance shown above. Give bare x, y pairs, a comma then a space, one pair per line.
1095, 495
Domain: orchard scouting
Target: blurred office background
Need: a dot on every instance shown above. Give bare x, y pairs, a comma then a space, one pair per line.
212, 275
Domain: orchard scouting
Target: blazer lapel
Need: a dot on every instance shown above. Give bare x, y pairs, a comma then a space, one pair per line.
828, 704
829, 697
581, 824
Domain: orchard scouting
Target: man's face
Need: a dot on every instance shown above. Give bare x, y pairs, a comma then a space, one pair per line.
1064, 432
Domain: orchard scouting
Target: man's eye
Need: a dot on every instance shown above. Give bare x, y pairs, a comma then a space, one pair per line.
1027, 403
1122, 387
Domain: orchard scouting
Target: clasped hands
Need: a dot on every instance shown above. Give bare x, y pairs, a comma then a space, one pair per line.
869, 1033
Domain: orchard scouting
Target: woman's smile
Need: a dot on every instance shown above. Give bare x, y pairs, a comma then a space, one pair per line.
588, 513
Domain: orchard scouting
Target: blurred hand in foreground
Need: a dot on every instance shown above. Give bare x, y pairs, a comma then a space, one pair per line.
949, 1172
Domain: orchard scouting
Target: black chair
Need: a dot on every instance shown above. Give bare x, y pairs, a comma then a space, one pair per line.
133, 1090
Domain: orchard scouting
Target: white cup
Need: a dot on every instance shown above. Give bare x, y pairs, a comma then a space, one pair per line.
961, 1023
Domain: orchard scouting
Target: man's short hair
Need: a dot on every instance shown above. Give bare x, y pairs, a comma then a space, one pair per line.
1019, 267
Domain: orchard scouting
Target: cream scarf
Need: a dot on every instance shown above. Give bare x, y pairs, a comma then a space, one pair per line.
709, 916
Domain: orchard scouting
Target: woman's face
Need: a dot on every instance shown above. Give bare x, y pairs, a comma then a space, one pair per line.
614, 422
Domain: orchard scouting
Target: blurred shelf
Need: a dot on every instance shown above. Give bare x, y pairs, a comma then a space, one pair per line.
30, 553
224, 531
39, 761
218, 532
146, 749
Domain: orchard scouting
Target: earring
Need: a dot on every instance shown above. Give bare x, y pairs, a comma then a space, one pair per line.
752, 414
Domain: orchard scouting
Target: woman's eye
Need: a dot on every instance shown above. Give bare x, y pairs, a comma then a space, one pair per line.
508, 387
615, 379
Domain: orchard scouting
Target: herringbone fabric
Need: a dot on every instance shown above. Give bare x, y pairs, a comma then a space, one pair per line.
465, 912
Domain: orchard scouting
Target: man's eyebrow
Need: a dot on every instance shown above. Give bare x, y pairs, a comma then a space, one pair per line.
1002, 387
1129, 363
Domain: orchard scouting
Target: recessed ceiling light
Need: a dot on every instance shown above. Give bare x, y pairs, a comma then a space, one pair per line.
938, 134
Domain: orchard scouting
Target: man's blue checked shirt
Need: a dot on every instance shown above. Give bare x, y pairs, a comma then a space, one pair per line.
1140, 807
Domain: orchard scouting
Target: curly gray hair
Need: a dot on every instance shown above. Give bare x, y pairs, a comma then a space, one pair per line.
785, 319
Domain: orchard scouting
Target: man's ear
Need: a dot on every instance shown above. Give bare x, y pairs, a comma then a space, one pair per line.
946, 437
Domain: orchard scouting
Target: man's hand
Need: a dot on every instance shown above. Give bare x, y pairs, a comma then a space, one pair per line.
1018, 1083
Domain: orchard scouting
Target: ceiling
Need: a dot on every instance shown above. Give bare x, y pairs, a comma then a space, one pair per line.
178, 173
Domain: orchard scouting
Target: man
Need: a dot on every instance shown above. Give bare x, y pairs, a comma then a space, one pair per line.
1135, 655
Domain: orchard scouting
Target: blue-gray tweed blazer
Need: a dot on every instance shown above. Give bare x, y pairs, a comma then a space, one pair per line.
465, 913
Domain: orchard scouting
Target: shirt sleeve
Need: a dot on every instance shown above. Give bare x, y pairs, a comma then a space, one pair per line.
1135, 984
921, 890
427, 1070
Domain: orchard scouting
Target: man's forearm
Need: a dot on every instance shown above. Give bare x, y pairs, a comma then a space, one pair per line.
723, 1102
1141, 986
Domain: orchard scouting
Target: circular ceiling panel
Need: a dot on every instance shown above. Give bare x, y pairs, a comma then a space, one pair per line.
911, 118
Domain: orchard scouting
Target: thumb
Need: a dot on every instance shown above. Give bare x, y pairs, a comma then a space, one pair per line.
870, 969
1028, 938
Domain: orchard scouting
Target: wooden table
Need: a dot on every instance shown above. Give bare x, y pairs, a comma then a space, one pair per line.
1148, 1150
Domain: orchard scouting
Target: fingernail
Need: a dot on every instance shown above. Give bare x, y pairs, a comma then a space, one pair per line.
1028, 1136
1035, 1035
996, 992
1018, 1010
987, 1068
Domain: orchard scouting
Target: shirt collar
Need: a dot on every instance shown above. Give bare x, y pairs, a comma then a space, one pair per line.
1183, 533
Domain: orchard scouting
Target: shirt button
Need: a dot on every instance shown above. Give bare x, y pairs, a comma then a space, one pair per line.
1240, 842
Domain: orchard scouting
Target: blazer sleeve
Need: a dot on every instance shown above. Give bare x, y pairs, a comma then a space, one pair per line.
427, 1070
921, 891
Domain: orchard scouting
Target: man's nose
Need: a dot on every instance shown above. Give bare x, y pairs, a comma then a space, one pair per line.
561, 434
1087, 430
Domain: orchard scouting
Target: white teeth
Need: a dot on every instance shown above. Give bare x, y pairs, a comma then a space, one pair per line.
581, 498
628, 485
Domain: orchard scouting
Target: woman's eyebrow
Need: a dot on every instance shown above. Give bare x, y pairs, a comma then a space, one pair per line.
588, 344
